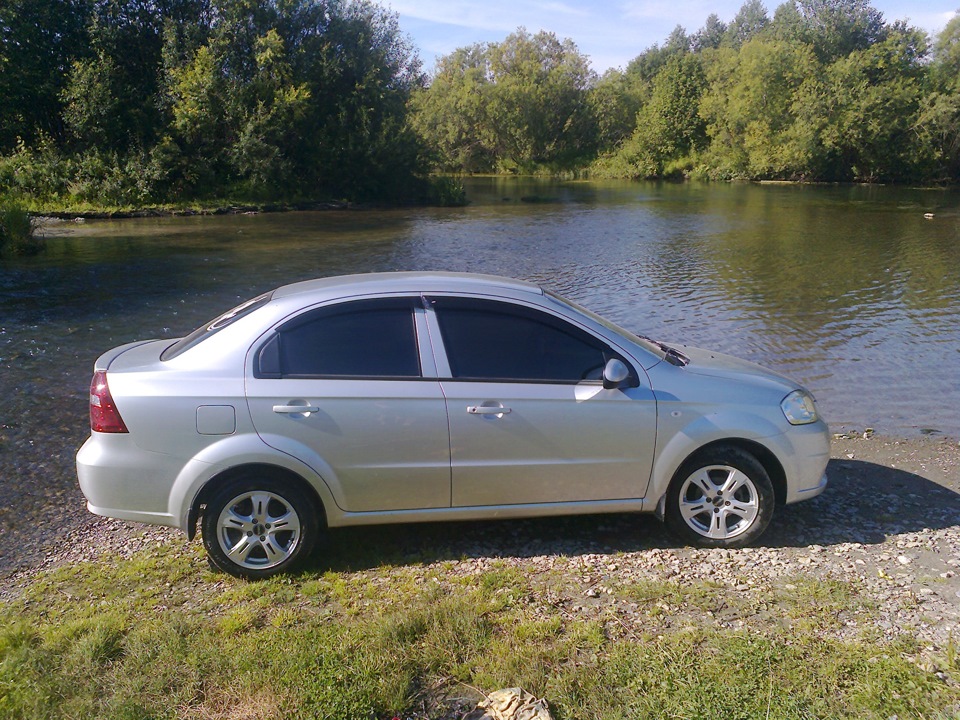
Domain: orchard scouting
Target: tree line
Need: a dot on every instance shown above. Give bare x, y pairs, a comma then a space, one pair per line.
824, 90
137, 101
132, 101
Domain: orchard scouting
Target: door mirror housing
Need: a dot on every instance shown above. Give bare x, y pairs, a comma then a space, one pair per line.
615, 373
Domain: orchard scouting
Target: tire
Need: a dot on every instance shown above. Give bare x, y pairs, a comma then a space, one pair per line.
700, 508
258, 527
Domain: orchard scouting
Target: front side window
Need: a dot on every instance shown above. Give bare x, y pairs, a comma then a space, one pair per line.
491, 340
364, 338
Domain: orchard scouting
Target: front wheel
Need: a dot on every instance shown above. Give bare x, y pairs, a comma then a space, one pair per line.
255, 528
720, 497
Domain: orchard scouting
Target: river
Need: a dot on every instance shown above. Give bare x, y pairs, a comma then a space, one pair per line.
850, 290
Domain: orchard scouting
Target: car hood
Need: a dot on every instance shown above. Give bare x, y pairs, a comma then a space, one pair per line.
728, 367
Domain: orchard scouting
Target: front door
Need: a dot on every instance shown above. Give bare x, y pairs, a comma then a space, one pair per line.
530, 420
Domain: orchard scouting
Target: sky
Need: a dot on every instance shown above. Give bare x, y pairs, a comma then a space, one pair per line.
610, 33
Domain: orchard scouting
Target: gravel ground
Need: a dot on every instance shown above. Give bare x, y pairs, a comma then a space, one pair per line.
888, 526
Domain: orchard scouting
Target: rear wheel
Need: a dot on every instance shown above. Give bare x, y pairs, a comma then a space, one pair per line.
720, 497
255, 528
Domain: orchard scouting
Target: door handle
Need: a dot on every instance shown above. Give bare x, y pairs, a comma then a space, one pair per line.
487, 410
295, 409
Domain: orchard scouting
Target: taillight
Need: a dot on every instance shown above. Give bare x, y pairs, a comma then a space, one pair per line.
104, 416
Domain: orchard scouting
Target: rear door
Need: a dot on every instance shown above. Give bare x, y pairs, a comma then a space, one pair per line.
343, 388
530, 420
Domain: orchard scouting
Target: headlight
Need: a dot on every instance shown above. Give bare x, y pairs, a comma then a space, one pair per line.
799, 408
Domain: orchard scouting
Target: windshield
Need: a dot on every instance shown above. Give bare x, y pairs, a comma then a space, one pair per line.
218, 323
644, 342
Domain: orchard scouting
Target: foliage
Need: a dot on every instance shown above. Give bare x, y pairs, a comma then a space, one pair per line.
669, 127
16, 229
127, 102
825, 91
517, 105
447, 191
279, 99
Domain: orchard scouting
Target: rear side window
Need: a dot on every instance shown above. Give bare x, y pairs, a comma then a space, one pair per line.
364, 338
218, 323
491, 340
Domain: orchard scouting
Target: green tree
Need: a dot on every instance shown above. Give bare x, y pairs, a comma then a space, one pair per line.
749, 21
669, 129
648, 63
836, 28
615, 99
451, 115
522, 103
946, 56
750, 111
938, 121
39, 41
711, 35
872, 103
539, 109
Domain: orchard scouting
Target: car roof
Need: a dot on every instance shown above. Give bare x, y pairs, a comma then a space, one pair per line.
400, 282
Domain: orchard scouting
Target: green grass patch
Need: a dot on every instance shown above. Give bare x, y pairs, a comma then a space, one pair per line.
160, 636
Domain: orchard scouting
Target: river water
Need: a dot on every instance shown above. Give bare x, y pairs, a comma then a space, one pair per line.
849, 289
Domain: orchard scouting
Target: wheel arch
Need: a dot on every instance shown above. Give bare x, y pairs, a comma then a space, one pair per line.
281, 474
764, 456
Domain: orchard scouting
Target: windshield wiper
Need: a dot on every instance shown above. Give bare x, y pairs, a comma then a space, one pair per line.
673, 356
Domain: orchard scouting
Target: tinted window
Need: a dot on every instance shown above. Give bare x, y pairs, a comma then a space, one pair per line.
367, 338
490, 340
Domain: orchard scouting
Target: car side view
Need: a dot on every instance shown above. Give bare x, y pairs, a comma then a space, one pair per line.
413, 397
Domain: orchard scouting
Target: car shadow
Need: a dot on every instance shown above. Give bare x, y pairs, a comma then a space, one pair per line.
864, 503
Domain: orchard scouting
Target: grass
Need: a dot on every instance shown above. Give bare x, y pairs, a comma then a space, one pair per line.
160, 636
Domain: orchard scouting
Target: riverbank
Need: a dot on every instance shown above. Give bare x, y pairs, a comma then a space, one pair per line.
854, 594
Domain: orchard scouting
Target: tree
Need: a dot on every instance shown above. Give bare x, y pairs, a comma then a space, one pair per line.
749, 21
451, 115
648, 63
711, 35
615, 100
750, 111
837, 28
872, 101
521, 104
946, 55
39, 41
669, 128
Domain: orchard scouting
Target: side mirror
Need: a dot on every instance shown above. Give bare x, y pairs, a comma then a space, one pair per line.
615, 372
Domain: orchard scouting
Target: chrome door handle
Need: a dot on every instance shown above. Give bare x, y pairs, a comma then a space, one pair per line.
295, 409
487, 410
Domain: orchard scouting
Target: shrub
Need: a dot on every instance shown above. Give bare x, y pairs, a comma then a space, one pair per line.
447, 192
16, 229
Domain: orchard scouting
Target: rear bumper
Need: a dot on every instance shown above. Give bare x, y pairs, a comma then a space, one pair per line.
123, 481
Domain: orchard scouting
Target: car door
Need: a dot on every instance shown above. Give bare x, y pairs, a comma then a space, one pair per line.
343, 389
530, 420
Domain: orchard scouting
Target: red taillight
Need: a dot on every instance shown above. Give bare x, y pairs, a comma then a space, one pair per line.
104, 416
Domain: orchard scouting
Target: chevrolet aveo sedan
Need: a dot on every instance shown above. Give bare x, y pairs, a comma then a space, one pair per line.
410, 397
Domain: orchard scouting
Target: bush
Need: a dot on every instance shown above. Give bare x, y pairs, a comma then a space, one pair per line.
447, 192
16, 229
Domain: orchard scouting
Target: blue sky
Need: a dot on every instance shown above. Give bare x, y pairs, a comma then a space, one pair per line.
610, 33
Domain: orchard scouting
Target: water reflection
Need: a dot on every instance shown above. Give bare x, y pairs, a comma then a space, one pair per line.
848, 289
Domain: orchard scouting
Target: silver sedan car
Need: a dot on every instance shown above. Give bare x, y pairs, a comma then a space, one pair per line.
411, 397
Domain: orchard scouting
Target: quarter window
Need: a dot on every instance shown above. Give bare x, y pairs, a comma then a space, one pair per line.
364, 338
489, 340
